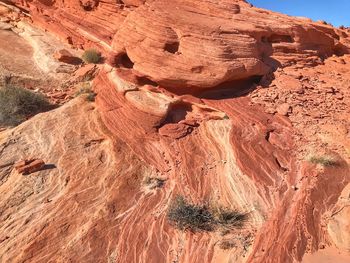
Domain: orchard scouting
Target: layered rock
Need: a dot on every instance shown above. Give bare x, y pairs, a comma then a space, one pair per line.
100, 207
190, 43
170, 107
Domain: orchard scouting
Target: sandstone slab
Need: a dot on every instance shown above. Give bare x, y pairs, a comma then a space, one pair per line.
29, 166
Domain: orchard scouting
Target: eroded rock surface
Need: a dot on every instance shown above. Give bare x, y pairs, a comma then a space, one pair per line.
171, 104
190, 43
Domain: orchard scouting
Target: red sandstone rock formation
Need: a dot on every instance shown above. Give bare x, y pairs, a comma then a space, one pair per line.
171, 107
66, 57
26, 167
190, 43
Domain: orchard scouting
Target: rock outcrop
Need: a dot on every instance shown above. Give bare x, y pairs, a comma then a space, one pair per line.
172, 106
65, 56
190, 43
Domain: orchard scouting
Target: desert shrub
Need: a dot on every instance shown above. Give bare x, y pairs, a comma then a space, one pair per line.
17, 104
228, 218
324, 160
91, 96
86, 89
226, 117
187, 216
227, 244
91, 56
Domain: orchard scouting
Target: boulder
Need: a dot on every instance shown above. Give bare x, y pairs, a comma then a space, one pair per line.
284, 109
65, 56
29, 166
85, 73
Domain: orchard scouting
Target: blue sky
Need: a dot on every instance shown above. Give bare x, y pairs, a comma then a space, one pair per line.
336, 12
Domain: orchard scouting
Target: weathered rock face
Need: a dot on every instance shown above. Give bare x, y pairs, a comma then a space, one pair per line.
190, 43
170, 107
339, 225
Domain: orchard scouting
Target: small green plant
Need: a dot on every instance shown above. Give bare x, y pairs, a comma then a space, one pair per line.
86, 89
91, 56
91, 96
324, 160
226, 117
17, 104
187, 216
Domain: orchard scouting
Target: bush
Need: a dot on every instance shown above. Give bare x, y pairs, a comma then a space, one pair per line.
187, 216
17, 104
86, 89
91, 56
91, 96
227, 244
324, 160
229, 218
